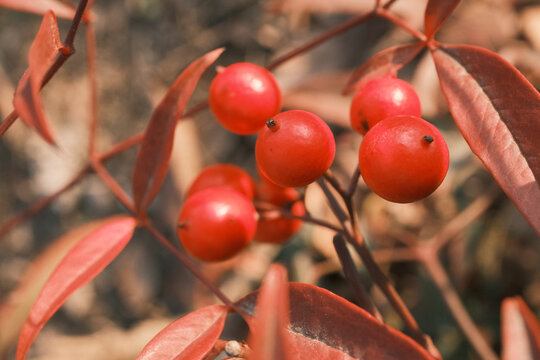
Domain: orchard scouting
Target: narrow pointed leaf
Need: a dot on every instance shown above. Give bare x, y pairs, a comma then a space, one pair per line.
27, 100
324, 326
437, 11
40, 7
155, 151
498, 113
15, 308
189, 338
81, 264
385, 63
269, 334
520, 331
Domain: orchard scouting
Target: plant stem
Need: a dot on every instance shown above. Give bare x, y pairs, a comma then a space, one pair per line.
275, 212
428, 257
190, 265
64, 53
382, 281
8, 121
113, 185
39, 205
320, 39
349, 269
354, 182
385, 14
92, 87
69, 49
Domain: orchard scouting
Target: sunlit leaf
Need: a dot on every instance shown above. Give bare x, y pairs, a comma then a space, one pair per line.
520, 331
498, 112
81, 264
155, 152
27, 100
15, 308
437, 11
269, 338
384, 63
40, 7
189, 338
324, 326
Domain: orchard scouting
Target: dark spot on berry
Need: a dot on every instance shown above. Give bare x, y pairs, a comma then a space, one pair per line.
428, 139
365, 125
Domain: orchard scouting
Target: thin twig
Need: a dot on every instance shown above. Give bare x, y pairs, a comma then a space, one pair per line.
354, 238
320, 39
42, 203
113, 185
68, 43
464, 218
349, 269
190, 265
431, 262
64, 53
385, 14
354, 182
8, 121
275, 212
329, 176
92, 87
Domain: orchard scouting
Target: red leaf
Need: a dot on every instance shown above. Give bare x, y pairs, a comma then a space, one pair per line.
40, 7
15, 308
384, 63
437, 11
27, 101
269, 335
520, 331
191, 337
498, 112
326, 326
81, 264
155, 152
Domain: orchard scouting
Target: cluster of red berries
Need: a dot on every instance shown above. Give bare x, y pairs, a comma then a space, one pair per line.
294, 148
402, 158
218, 218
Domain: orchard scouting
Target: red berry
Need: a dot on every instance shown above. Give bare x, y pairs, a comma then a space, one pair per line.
243, 96
295, 148
403, 159
224, 175
216, 223
381, 98
277, 231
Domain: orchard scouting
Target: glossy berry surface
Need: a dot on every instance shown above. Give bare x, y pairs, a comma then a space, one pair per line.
224, 175
216, 223
295, 148
243, 96
279, 230
403, 159
380, 98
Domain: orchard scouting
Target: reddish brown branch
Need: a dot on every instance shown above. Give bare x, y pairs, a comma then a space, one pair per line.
8, 121
354, 238
190, 265
113, 185
385, 14
430, 260
63, 55
92, 87
41, 204
320, 39
349, 269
